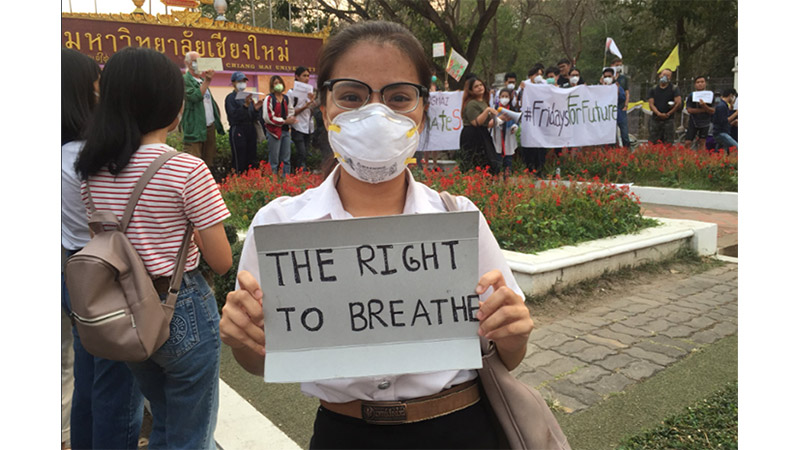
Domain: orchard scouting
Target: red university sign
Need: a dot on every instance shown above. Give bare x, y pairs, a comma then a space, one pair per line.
240, 46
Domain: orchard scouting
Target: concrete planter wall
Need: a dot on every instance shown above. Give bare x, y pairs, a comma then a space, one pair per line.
561, 267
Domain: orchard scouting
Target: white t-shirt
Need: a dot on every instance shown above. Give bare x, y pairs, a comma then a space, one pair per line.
74, 225
323, 203
304, 124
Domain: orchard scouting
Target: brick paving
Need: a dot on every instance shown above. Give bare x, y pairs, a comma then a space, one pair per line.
582, 359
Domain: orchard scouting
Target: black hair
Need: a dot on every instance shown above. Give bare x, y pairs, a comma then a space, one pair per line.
299, 71
508, 91
510, 75
552, 69
700, 76
536, 67
141, 90
574, 68
78, 99
616, 60
728, 91
609, 69
564, 61
379, 32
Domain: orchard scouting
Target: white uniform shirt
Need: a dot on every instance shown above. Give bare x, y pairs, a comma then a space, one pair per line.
322, 203
304, 123
74, 225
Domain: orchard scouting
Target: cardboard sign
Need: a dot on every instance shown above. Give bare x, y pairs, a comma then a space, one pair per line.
244, 94
706, 96
300, 91
438, 49
204, 64
554, 117
456, 65
369, 296
444, 121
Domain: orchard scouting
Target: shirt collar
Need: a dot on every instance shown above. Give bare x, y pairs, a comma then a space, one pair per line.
327, 204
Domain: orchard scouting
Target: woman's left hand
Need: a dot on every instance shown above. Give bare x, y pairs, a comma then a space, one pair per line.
504, 318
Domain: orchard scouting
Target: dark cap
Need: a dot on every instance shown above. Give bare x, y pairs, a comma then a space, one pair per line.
238, 76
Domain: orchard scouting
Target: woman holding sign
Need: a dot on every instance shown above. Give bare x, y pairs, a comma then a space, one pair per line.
373, 95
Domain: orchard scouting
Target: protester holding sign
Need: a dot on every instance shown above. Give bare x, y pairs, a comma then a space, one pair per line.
373, 79
477, 149
243, 114
700, 113
504, 133
302, 99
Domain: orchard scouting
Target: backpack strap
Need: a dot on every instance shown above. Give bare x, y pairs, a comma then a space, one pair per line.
140, 185
449, 201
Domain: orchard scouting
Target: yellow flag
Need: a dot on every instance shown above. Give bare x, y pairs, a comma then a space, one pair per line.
672, 61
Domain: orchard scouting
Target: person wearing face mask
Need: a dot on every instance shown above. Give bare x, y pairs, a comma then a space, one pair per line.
551, 76
699, 116
278, 115
243, 117
475, 141
373, 79
622, 115
200, 121
504, 133
575, 78
141, 98
665, 100
303, 128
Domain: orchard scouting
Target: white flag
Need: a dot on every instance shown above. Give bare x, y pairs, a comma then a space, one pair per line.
612, 47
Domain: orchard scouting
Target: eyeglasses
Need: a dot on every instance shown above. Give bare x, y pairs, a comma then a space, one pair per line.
352, 94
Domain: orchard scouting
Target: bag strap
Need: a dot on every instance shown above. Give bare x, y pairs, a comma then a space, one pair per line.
180, 266
449, 201
141, 184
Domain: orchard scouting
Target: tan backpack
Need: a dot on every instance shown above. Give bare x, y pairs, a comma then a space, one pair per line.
115, 306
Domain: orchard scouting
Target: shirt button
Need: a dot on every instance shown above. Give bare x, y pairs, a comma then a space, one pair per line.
384, 385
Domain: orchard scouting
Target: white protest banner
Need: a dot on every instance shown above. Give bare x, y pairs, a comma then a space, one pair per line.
554, 117
369, 296
300, 91
444, 124
706, 96
244, 94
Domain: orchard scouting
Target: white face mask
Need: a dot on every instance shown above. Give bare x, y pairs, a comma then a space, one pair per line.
539, 79
608, 80
241, 85
194, 66
373, 143
574, 80
504, 101
510, 86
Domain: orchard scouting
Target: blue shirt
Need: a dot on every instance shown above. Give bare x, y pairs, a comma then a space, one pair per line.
720, 119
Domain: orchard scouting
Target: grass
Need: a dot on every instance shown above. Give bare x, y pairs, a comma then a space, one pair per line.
709, 424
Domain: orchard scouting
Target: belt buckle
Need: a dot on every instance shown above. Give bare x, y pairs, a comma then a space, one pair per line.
384, 413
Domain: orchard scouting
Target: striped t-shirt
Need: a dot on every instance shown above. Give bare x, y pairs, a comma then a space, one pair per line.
182, 190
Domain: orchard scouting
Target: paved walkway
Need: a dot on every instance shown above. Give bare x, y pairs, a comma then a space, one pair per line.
580, 360
727, 221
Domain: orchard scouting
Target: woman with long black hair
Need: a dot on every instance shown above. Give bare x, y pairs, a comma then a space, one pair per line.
141, 99
107, 405
477, 148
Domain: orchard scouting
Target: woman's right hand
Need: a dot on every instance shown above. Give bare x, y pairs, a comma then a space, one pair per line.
242, 321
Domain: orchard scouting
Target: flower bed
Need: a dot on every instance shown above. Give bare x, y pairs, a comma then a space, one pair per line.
658, 165
525, 215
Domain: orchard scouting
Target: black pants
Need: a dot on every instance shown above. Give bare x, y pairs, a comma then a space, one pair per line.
473, 427
534, 158
302, 145
243, 147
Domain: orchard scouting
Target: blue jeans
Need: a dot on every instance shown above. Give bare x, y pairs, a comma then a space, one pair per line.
280, 151
181, 379
725, 141
107, 405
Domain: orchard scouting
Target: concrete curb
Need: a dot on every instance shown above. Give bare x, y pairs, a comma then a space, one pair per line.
724, 201
536, 274
242, 427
